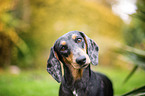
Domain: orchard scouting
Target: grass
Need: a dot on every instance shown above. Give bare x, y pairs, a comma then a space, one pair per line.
39, 83
28, 83
117, 76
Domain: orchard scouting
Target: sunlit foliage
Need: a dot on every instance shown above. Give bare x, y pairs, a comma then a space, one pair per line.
134, 38
32, 26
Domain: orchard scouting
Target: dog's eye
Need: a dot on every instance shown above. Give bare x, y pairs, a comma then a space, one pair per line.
63, 48
79, 40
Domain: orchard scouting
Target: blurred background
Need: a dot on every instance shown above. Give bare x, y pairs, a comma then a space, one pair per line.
29, 28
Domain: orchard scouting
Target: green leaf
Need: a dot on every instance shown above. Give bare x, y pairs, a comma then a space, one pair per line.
131, 73
137, 92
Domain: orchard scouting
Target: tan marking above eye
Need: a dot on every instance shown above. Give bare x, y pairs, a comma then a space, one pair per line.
74, 36
63, 42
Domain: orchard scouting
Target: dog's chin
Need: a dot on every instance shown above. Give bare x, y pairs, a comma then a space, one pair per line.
76, 66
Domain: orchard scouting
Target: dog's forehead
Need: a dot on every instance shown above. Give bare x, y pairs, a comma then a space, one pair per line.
67, 37
71, 35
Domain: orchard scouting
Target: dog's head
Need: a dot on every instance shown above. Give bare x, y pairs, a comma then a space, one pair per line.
74, 49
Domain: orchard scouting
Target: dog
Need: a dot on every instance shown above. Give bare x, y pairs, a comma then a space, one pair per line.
76, 52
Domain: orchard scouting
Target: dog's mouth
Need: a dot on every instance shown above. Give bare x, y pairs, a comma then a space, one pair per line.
76, 66
84, 66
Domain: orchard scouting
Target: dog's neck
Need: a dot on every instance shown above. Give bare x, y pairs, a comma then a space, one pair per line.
72, 75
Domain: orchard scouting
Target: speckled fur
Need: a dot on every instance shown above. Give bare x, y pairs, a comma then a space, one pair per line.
77, 80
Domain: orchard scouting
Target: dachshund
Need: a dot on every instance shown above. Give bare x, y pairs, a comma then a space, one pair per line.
76, 52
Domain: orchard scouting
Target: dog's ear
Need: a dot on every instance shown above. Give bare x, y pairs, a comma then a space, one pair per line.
92, 49
54, 66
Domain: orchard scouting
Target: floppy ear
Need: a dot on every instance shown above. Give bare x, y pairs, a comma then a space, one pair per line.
54, 67
92, 49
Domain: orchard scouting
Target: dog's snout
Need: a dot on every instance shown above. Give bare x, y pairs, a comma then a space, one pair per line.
81, 60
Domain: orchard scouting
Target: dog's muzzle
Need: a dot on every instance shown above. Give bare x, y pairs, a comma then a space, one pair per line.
81, 60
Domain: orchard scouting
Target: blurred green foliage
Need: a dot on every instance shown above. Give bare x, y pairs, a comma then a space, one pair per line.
134, 36
29, 28
13, 48
134, 48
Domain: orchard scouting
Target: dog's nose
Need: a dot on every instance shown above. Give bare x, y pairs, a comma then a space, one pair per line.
81, 60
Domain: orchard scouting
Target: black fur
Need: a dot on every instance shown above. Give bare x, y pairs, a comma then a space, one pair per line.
89, 83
